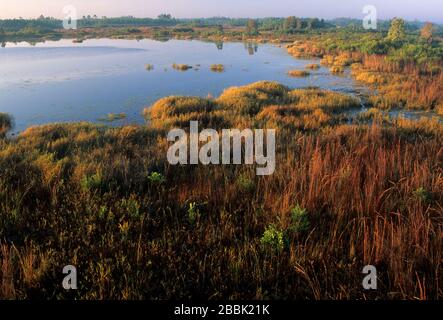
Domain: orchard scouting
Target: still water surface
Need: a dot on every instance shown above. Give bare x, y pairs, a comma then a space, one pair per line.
59, 81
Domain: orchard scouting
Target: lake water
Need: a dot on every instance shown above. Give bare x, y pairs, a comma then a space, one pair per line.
62, 81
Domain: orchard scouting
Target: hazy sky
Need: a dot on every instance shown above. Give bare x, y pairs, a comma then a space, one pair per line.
431, 10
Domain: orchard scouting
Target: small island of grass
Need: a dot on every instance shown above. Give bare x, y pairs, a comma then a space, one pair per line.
110, 117
217, 68
181, 67
298, 73
313, 66
337, 69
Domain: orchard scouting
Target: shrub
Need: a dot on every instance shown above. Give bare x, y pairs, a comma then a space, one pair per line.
132, 207
273, 238
299, 220
156, 178
149, 67
193, 213
92, 182
423, 195
6, 123
245, 183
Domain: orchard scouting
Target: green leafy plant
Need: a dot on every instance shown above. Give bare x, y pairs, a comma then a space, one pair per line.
93, 182
245, 183
299, 220
423, 195
193, 212
273, 238
132, 207
156, 178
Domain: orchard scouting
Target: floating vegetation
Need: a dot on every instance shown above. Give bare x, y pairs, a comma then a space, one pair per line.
149, 67
181, 67
110, 117
298, 73
313, 66
337, 69
217, 68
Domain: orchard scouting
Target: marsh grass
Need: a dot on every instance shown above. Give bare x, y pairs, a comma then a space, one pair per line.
337, 70
217, 68
181, 67
110, 117
343, 196
313, 66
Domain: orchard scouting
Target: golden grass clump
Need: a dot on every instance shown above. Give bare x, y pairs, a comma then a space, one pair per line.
176, 105
298, 73
181, 67
327, 60
370, 77
330, 101
313, 66
217, 68
248, 100
179, 111
337, 70
372, 114
439, 109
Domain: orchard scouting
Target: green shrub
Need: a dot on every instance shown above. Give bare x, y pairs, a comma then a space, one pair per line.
193, 213
299, 220
156, 178
273, 238
245, 183
423, 195
92, 182
132, 207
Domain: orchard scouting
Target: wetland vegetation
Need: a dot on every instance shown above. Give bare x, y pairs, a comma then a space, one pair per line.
346, 192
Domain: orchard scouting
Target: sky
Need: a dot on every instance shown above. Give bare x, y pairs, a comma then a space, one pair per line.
425, 10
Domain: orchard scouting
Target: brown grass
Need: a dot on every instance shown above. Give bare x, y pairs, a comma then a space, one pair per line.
87, 195
298, 73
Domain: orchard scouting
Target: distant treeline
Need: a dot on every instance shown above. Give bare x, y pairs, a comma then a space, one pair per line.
278, 25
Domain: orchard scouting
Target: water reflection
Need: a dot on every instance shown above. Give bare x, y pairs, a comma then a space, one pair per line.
64, 81
252, 48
